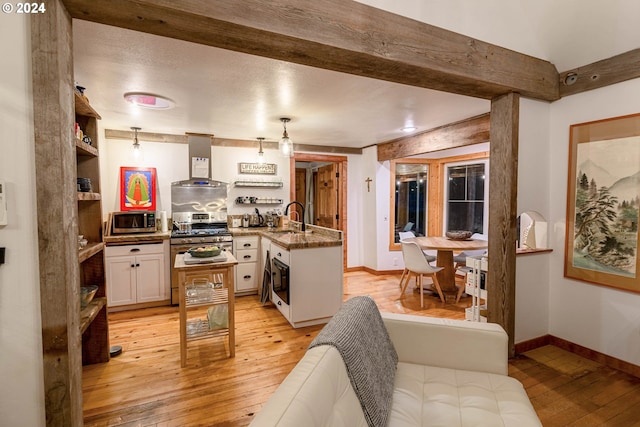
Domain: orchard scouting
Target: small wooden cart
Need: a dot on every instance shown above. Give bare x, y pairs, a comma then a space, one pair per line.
211, 286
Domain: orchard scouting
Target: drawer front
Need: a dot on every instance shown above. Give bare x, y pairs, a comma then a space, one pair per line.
246, 277
247, 255
246, 242
281, 305
134, 250
280, 253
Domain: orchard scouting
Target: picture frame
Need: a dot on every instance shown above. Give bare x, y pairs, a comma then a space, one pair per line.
603, 198
137, 189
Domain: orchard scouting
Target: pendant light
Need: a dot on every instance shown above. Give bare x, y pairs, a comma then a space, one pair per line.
260, 152
285, 145
136, 148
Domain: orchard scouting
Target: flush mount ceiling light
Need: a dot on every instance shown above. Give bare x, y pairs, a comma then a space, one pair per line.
136, 148
149, 100
286, 144
260, 152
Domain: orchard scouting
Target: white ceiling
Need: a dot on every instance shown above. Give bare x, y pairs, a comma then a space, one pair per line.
239, 96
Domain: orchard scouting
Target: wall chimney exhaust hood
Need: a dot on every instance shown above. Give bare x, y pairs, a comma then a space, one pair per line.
199, 162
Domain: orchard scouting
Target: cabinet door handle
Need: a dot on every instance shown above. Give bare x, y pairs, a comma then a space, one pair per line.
133, 265
134, 250
279, 254
246, 245
247, 256
248, 276
137, 265
279, 302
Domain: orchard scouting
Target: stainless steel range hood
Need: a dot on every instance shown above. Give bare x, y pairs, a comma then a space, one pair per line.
199, 162
199, 156
200, 193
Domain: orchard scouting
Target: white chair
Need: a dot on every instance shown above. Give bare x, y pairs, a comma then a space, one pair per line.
404, 235
416, 262
461, 259
430, 255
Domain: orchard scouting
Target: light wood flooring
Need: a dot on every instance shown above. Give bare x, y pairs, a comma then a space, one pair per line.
145, 385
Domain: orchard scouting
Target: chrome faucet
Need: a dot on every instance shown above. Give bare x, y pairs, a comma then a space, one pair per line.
286, 212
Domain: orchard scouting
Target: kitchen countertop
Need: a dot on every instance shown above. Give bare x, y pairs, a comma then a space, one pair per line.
292, 238
119, 239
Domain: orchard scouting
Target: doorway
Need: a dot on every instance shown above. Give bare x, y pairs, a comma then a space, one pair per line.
319, 181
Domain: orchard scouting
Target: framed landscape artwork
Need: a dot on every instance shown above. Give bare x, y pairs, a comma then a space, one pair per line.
602, 203
137, 189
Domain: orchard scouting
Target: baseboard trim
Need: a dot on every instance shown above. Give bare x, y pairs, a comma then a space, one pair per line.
587, 353
371, 270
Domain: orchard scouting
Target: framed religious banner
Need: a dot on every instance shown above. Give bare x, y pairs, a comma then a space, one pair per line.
603, 195
137, 189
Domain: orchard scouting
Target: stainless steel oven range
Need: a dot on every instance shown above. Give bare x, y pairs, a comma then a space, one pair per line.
202, 229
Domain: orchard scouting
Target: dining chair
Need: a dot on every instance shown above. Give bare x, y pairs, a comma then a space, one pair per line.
461, 259
416, 262
430, 255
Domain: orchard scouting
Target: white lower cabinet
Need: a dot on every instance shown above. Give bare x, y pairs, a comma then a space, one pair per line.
245, 249
136, 274
314, 283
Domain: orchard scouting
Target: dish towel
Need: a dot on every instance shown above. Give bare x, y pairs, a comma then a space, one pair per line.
266, 280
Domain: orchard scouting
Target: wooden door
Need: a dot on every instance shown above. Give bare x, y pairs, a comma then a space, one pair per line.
326, 203
301, 193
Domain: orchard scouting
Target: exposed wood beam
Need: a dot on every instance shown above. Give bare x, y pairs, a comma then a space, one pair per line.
56, 197
226, 142
616, 69
503, 192
338, 35
466, 132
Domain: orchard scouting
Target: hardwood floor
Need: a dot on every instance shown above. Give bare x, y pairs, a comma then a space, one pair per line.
145, 386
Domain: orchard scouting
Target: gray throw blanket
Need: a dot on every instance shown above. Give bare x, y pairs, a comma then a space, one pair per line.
358, 333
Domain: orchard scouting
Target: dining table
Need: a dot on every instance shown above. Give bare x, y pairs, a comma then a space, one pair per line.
445, 248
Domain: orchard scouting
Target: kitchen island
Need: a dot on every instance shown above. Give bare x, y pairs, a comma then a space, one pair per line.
303, 272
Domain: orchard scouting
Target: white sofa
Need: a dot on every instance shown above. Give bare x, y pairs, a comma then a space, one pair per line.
449, 373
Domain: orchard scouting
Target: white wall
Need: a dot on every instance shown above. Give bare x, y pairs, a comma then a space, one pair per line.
602, 319
172, 164
21, 370
532, 285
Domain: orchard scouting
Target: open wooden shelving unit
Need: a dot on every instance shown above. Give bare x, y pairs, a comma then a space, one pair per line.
93, 318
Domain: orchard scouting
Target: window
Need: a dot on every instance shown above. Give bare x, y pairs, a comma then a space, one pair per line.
410, 210
467, 197
420, 201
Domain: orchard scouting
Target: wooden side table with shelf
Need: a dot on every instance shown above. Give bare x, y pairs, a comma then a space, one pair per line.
200, 297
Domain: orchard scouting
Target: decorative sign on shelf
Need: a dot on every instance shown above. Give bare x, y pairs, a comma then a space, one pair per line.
258, 168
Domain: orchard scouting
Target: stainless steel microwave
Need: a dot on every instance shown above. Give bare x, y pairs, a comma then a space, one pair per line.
133, 222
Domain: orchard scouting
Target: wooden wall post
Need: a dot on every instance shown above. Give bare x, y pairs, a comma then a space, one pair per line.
503, 191
53, 115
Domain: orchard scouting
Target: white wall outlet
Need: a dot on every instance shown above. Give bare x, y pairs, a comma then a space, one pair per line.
395, 261
3, 203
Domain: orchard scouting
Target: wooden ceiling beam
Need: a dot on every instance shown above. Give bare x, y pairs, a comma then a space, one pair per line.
337, 35
616, 69
225, 142
466, 132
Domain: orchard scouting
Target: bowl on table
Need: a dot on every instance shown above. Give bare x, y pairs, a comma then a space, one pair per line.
86, 295
205, 251
458, 234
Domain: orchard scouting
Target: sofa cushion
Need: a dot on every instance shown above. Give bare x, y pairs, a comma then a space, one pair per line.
358, 333
432, 396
